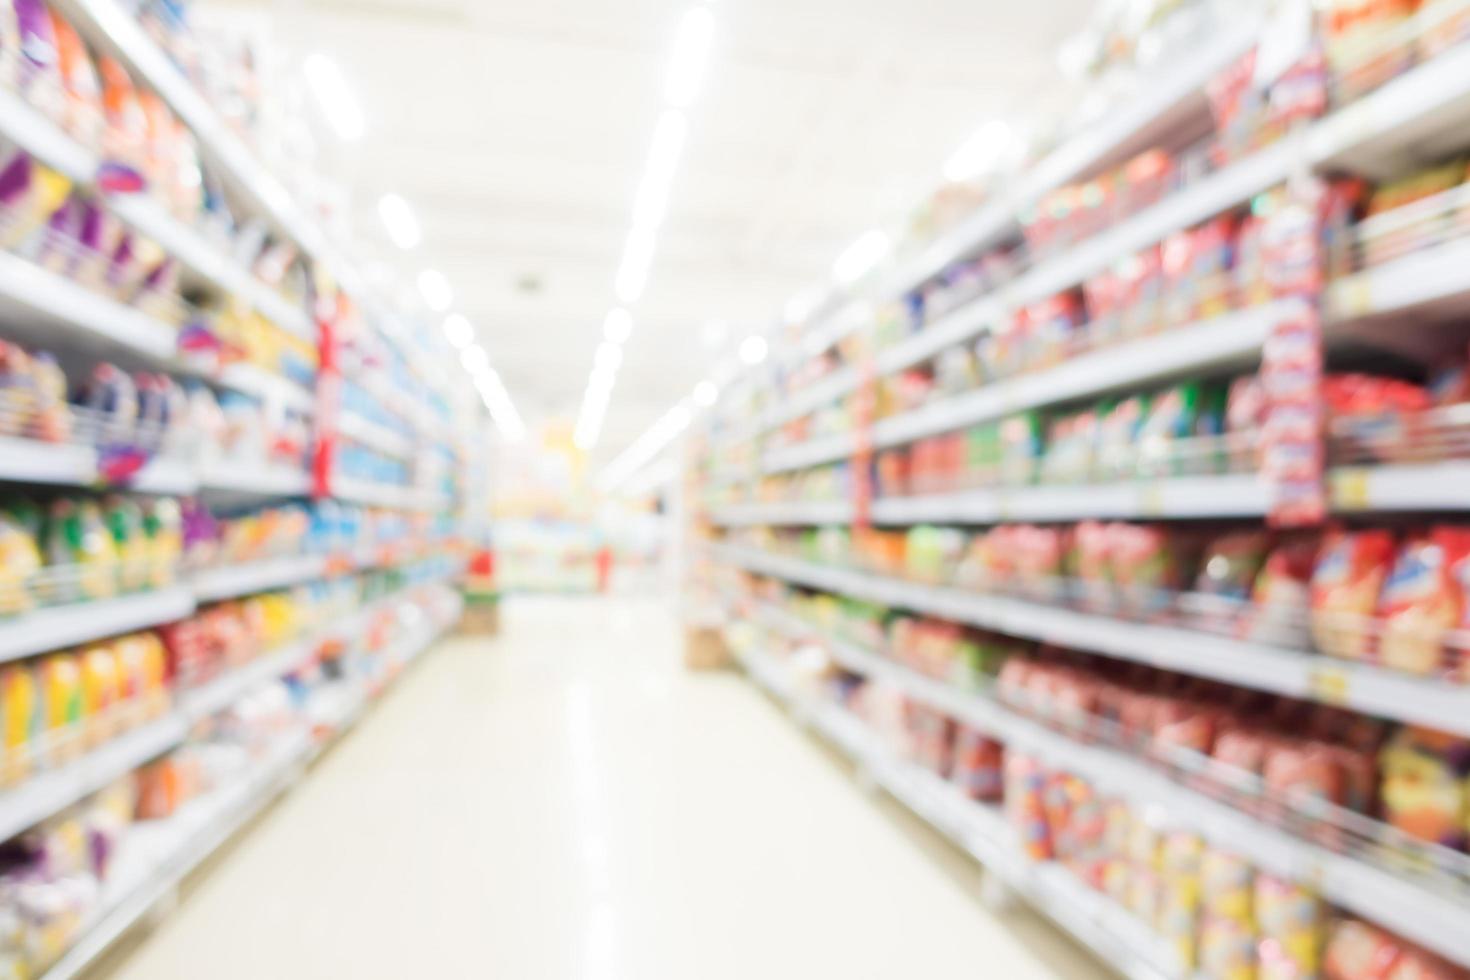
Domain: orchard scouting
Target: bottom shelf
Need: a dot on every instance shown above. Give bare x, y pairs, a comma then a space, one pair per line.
1108, 931
156, 856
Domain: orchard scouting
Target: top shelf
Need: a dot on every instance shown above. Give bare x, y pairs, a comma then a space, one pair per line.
48, 143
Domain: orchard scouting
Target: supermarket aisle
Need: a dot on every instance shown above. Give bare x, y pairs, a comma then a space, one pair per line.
568, 803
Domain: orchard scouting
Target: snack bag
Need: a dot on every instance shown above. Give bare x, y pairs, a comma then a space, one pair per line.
1227, 950
61, 706
20, 563
30, 193
39, 74
1422, 602
82, 91
1146, 568
101, 691
978, 766
1025, 806
1346, 583
1172, 416
125, 142
1182, 888
1092, 564
1292, 922
1117, 440
20, 721
125, 523
1424, 785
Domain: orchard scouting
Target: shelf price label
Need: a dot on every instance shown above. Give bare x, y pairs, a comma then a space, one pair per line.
1330, 685
1350, 489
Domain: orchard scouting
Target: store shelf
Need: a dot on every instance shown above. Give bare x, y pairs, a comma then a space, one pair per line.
219, 694
155, 857
53, 790
1425, 916
1403, 488
46, 306
982, 832
776, 515
250, 380
1416, 117
61, 464
238, 479
261, 576
1230, 340
56, 627
1429, 282
1164, 99
1381, 134
1261, 667
1175, 497
53, 146
812, 452
808, 400
382, 495
374, 436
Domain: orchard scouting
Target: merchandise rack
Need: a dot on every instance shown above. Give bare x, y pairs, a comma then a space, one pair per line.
50, 791
1257, 666
1109, 932
156, 858
44, 310
1411, 119
1430, 918
1364, 135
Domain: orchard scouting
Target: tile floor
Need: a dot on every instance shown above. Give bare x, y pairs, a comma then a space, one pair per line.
566, 803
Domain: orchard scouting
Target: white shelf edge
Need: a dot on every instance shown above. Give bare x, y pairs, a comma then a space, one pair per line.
214, 697
1420, 279
1295, 674
262, 480
1229, 338
1171, 497
236, 580
58, 627
797, 514
50, 791
1401, 487
374, 436
259, 383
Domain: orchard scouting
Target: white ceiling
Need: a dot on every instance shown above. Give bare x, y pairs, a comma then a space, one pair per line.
518, 129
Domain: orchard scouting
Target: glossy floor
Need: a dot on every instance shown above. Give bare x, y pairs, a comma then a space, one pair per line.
567, 803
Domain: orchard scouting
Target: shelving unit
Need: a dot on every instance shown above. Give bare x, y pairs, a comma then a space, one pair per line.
221, 331
157, 857
852, 409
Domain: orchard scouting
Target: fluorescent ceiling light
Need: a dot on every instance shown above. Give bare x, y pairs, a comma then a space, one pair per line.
459, 331
334, 96
399, 219
981, 154
436, 290
753, 349
474, 359
645, 449
706, 393
609, 357
618, 326
861, 256
714, 333
652, 199
637, 259
691, 53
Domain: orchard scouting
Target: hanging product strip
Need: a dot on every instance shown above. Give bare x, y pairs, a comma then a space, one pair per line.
1159, 720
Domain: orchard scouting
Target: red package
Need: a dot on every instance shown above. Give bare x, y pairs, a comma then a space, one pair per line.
978, 762
1346, 584
1422, 602
1092, 563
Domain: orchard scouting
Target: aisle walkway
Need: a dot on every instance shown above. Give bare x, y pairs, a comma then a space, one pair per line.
566, 803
